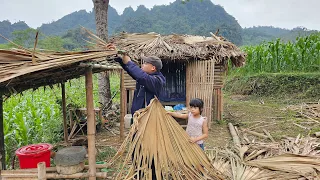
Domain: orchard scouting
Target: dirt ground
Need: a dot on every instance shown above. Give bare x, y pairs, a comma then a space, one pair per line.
245, 112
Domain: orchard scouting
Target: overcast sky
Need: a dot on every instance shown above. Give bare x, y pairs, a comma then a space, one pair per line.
278, 13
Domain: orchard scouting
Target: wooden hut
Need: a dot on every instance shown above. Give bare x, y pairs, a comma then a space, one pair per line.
194, 67
22, 69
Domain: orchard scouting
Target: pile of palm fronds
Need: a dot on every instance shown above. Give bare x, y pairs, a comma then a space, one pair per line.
307, 110
157, 139
292, 158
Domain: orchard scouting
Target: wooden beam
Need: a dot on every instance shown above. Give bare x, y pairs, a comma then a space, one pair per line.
100, 66
91, 125
122, 103
2, 149
64, 112
188, 81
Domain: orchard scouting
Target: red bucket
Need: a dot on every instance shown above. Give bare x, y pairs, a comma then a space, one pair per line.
30, 156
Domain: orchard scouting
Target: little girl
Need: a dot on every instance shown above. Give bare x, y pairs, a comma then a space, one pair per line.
197, 127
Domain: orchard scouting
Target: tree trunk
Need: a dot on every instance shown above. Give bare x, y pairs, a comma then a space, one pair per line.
101, 14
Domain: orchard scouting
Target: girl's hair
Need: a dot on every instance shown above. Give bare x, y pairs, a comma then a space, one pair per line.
196, 102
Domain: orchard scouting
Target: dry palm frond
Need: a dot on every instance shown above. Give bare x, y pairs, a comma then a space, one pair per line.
309, 110
262, 161
303, 146
231, 165
156, 137
291, 163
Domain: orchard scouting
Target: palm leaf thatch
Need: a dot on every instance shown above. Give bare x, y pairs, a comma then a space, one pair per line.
292, 158
230, 164
21, 68
305, 166
180, 47
156, 136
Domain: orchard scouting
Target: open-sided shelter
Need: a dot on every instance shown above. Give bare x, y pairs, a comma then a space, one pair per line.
21, 69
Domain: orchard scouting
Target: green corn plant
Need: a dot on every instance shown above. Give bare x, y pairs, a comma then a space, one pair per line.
36, 116
303, 55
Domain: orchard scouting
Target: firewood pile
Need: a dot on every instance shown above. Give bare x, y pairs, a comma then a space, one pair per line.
291, 158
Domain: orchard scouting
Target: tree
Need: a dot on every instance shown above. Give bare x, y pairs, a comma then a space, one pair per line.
25, 37
101, 14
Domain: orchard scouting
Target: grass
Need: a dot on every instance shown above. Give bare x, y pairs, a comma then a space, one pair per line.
287, 86
247, 112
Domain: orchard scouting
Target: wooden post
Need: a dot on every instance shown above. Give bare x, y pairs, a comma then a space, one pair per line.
188, 91
91, 125
2, 150
218, 104
41, 171
64, 112
122, 105
221, 104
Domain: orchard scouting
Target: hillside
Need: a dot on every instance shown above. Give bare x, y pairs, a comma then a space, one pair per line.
257, 35
6, 29
192, 17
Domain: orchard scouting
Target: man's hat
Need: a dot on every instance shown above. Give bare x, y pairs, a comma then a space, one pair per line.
154, 60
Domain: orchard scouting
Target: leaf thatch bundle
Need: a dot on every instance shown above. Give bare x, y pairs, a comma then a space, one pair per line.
156, 136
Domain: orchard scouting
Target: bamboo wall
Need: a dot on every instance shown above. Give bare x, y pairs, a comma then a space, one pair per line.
217, 98
200, 83
204, 80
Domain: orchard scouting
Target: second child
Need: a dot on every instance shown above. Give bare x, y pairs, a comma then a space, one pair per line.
197, 127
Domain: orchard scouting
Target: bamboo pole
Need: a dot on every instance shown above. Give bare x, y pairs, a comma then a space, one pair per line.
221, 104
256, 134
34, 48
41, 171
48, 169
2, 150
234, 135
269, 135
18, 178
100, 66
64, 112
122, 104
188, 82
53, 175
91, 125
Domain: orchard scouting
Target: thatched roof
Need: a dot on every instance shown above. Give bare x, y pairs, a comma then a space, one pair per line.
180, 47
19, 71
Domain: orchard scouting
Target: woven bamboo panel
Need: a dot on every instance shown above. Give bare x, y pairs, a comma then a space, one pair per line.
129, 83
219, 74
200, 84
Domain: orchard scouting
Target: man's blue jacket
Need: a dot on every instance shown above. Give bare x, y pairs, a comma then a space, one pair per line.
147, 86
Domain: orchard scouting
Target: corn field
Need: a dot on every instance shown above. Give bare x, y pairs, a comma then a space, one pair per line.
274, 57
